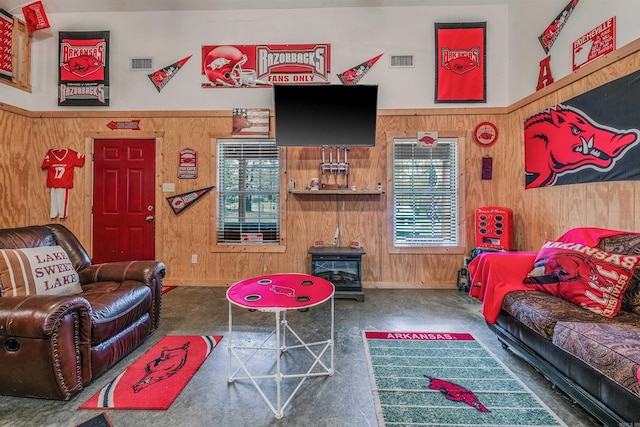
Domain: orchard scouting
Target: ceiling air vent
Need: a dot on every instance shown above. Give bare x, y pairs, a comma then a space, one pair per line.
141, 64
401, 61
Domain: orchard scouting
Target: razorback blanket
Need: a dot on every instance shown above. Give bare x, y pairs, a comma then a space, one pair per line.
494, 274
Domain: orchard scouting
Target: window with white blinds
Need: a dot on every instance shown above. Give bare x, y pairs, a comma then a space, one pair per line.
425, 193
248, 192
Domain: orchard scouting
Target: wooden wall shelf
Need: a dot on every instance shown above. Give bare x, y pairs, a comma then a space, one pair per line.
342, 192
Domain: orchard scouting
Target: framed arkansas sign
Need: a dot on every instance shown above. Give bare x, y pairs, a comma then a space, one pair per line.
461, 67
83, 76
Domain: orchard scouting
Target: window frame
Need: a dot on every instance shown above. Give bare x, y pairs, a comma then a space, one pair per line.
238, 247
460, 248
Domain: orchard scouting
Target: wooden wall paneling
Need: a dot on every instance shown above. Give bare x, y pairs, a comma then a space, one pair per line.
14, 176
620, 204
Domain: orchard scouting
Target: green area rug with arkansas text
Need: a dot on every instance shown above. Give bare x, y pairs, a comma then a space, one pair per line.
447, 379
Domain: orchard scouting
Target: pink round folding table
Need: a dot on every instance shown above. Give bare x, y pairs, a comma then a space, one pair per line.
278, 293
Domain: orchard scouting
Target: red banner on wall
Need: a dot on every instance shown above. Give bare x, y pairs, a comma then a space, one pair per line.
461, 62
84, 68
6, 44
35, 16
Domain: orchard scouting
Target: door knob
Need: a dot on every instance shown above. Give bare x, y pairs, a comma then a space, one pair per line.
150, 218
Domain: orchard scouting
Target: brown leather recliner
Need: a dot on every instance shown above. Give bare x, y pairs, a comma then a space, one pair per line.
52, 346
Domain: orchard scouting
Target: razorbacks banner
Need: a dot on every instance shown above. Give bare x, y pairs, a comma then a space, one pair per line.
590, 138
263, 65
84, 68
461, 62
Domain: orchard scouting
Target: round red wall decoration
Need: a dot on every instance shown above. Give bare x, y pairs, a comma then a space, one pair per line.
485, 134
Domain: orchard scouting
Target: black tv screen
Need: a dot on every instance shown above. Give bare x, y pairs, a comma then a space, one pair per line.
333, 115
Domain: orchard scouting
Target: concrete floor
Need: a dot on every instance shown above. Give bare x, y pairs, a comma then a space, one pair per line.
344, 399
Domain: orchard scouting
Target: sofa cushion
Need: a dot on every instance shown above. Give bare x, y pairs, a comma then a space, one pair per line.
626, 244
611, 348
115, 306
43, 270
589, 277
540, 311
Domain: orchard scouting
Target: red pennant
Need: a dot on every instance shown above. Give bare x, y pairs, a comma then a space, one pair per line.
161, 77
353, 75
548, 38
35, 17
182, 201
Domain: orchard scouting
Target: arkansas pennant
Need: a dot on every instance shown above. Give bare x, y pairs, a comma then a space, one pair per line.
353, 75
182, 201
161, 77
550, 34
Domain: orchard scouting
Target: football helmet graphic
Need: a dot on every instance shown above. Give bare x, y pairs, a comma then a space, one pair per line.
223, 66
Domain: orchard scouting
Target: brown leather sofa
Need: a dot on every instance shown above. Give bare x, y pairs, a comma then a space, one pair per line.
51, 346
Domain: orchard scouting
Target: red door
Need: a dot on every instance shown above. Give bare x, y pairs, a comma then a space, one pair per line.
123, 200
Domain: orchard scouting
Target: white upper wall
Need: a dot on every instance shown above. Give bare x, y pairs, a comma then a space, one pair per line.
528, 19
355, 35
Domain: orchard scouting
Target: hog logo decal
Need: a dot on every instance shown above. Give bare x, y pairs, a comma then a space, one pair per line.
168, 363
565, 267
83, 65
456, 393
564, 140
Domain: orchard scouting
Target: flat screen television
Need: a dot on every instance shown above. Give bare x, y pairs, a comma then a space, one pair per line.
333, 115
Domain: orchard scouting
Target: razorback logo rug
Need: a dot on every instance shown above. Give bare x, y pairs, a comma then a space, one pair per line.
156, 379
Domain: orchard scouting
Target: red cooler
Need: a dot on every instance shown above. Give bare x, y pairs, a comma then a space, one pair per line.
494, 228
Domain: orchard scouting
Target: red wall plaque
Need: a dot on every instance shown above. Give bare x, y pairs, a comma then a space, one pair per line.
187, 163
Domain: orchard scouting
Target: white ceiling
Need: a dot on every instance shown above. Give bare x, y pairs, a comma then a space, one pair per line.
72, 6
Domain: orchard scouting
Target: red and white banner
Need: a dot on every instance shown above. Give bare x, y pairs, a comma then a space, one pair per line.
461, 62
35, 17
596, 43
6, 44
263, 65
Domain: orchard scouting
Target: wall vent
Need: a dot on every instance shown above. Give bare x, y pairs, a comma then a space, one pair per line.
401, 61
141, 64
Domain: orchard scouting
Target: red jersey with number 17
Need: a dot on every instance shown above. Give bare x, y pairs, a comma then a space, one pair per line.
60, 164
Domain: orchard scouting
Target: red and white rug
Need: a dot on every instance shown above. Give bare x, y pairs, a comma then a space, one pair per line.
156, 379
